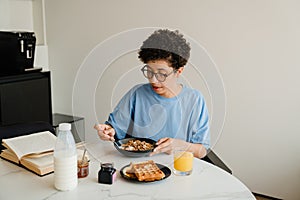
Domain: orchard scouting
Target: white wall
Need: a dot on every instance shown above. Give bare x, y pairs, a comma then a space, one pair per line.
255, 45
16, 15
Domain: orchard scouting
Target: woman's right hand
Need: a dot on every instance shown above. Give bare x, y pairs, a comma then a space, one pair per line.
105, 132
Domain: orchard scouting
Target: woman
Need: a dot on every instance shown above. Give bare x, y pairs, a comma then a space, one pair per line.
164, 110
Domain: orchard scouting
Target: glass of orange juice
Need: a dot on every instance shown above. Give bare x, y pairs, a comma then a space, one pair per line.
183, 162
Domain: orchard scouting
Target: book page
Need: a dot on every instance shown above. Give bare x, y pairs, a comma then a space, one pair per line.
44, 164
40, 162
41, 165
31, 144
7, 154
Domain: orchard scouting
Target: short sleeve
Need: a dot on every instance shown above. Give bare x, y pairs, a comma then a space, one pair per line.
200, 123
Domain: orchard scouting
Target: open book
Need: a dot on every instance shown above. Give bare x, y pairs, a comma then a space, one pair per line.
34, 151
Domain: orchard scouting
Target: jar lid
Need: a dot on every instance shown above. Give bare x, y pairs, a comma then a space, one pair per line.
107, 165
64, 127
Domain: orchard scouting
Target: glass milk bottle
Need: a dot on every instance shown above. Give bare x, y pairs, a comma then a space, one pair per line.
65, 159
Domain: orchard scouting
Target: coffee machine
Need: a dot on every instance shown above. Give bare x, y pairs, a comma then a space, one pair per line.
16, 52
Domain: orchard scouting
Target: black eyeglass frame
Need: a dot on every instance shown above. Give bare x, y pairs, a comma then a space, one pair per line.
144, 69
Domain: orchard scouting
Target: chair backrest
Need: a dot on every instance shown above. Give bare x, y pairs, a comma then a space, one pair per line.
24, 129
212, 158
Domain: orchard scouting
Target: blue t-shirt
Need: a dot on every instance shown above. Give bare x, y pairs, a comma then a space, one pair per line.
145, 114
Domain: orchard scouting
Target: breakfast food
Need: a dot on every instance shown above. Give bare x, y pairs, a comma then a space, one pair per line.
145, 171
137, 145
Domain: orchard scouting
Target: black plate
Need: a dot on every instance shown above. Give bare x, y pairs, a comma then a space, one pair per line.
163, 168
118, 146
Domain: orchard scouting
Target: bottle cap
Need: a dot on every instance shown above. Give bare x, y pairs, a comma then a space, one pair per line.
107, 165
64, 127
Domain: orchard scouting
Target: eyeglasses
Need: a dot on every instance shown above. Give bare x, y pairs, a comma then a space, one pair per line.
161, 77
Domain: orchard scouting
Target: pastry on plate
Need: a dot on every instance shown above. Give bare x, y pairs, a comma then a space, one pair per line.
145, 171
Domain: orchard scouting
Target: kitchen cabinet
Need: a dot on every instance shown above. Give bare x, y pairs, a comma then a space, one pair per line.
25, 98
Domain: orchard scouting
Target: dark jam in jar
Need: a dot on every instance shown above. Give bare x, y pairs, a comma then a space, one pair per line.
107, 173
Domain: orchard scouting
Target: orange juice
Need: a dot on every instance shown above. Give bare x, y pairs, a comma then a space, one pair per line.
183, 162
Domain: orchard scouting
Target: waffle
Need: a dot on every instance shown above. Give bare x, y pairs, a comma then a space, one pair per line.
146, 171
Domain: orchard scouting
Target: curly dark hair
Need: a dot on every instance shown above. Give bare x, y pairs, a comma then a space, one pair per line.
166, 45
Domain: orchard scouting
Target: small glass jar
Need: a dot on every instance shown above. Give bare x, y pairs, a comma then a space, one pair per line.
83, 168
107, 173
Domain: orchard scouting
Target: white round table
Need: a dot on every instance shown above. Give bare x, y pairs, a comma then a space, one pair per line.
206, 181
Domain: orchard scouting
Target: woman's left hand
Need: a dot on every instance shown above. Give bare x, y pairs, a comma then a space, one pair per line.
167, 145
